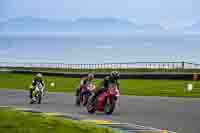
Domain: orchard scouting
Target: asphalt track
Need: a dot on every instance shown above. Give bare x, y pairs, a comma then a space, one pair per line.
181, 115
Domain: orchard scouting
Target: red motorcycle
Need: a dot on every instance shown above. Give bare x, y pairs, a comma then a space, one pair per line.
85, 93
105, 102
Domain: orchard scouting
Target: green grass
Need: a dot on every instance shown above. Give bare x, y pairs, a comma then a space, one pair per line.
23, 81
140, 87
12, 121
159, 88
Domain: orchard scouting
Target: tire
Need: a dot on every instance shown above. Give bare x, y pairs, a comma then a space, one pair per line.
84, 100
39, 97
109, 108
90, 108
78, 100
32, 95
31, 102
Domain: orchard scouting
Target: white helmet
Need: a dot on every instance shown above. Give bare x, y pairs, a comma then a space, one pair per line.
39, 75
91, 76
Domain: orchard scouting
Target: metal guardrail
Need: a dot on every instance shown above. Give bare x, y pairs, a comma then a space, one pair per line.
176, 76
135, 70
131, 65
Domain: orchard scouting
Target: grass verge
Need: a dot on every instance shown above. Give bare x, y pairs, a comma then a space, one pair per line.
23, 122
175, 88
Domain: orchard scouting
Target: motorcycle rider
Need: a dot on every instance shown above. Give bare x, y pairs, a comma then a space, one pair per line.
38, 78
84, 81
112, 79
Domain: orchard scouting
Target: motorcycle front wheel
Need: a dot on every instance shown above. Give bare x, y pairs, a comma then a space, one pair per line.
78, 100
39, 97
84, 100
90, 106
110, 106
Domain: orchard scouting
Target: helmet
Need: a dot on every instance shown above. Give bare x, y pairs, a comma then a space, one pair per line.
91, 76
115, 75
39, 75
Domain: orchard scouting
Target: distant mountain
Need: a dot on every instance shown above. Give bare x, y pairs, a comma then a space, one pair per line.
81, 25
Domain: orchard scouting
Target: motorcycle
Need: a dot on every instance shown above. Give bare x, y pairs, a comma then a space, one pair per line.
105, 102
84, 94
37, 94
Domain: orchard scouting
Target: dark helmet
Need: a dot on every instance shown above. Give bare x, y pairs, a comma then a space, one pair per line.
90, 76
115, 75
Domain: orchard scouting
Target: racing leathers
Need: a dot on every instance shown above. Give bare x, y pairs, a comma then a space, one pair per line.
104, 86
34, 83
84, 81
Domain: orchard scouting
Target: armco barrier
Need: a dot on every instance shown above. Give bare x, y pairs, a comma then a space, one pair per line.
176, 76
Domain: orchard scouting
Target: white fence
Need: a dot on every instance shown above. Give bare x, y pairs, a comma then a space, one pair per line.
149, 65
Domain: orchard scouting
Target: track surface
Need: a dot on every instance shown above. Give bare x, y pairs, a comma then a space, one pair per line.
181, 115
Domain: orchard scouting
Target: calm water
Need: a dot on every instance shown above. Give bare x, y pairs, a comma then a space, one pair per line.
88, 49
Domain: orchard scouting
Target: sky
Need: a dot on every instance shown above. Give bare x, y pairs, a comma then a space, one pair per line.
171, 13
179, 12
99, 50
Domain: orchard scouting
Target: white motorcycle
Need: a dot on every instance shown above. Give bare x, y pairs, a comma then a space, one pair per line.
37, 94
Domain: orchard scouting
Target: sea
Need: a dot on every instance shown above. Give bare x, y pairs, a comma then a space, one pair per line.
82, 49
